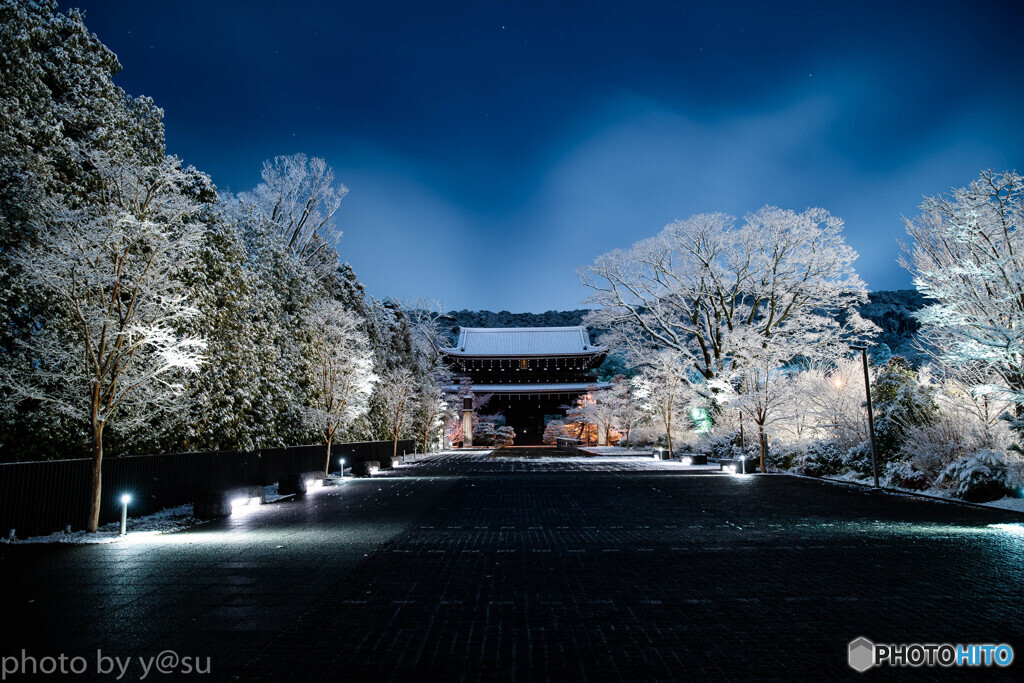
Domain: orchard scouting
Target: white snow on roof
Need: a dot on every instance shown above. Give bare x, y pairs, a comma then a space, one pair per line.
565, 387
524, 341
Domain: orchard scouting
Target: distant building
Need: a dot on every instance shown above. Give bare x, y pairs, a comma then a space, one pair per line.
531, 373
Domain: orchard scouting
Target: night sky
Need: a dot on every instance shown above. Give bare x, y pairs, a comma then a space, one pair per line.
491, 148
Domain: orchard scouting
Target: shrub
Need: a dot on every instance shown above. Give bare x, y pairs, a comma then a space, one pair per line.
858, 458
504, 436
553, 430
822, 459
905, 475
784, 456
483, 434
901, 402
722, 446
977, 478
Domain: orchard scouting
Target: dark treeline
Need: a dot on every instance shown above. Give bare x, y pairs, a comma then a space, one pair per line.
892, 311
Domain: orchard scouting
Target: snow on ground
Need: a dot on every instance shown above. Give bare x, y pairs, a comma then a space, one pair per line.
603, 462
856, 479
618, 450
163, 522
1016, 504
181, 517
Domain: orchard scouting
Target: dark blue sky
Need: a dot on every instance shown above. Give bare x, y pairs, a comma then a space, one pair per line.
490, 148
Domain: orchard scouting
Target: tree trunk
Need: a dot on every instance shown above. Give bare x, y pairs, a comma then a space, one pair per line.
97, 476
394, 451
327, 461
668, 434
763, 442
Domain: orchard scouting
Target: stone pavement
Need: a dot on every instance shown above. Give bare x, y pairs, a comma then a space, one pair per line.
478, 568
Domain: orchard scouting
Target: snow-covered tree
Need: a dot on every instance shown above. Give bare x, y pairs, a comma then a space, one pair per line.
113, 271
224, 396
286, 224
828, 402
760, 380
967, 257
298, 199
761, 388
431, 331
582, 419
600, 409
902, 400
699, 281
665, 388
624, 406
394, 351
342, 367
57, 98
283, 296
434, 403
397, 390
433, 408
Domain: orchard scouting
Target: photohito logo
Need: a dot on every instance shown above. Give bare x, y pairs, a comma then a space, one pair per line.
863, 654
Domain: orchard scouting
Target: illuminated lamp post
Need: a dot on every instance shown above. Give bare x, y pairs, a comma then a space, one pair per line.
125, 499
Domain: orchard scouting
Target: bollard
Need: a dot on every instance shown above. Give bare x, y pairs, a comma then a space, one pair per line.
10, 535
125, 499
67, 528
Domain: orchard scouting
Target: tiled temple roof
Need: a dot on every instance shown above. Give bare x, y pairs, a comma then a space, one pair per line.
524, 341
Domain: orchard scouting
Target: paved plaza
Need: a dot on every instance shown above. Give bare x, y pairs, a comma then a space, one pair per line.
469, 567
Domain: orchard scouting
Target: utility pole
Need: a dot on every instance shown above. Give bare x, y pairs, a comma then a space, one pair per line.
871, 415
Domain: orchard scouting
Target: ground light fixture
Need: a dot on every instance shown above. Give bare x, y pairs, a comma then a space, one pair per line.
125, 499
871, 415
341, 473
244, 502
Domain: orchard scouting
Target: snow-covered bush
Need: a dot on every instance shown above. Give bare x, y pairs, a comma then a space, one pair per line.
858, 459
954, 434
645, 435
905, 475
504, 436
978, 478
966, 421
554, 429
822, 459
484, 433
784, 456
722, 445
901, 402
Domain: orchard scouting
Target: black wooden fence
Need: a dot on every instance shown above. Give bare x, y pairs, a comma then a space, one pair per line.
43, 497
